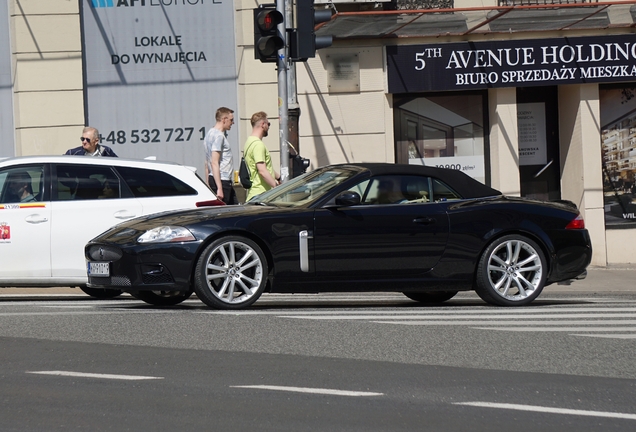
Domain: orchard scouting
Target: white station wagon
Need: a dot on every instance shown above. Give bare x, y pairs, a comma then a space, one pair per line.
51, 206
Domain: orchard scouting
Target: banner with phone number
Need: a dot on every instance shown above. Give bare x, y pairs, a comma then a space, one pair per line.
156, 71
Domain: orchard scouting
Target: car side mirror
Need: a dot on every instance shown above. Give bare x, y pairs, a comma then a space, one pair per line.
347, 199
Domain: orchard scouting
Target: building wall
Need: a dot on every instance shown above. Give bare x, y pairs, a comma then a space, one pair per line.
47, 60
333, 128
504, 148
579, 124
345, 127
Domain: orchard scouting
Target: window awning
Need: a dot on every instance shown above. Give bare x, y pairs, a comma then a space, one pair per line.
458, 22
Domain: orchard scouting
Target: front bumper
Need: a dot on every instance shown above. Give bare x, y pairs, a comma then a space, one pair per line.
163, 267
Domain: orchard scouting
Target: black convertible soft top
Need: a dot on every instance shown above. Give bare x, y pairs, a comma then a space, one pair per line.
462, 183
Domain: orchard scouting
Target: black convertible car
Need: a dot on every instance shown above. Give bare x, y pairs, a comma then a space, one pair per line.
426, 232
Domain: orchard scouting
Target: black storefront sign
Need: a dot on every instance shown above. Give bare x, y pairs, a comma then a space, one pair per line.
517, 63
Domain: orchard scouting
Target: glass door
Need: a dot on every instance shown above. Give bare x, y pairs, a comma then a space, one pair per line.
538, 131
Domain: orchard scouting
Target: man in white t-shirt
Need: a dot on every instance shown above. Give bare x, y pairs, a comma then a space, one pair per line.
219, 165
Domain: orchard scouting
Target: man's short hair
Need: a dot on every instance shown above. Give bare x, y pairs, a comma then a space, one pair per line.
93, 130
222, 112
256, 117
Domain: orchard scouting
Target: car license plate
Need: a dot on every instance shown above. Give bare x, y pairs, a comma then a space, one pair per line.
99, 269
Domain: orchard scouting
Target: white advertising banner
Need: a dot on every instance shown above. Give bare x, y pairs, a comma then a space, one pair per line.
156, 71
532, 139
7, 137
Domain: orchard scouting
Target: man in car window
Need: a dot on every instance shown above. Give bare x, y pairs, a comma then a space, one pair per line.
389, 193
219, 165
90, 145
21, 187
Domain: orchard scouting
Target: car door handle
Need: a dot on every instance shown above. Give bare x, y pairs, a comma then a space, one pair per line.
424, 220
36, 219
124, 214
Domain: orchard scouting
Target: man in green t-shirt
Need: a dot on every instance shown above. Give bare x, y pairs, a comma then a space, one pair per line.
258, 159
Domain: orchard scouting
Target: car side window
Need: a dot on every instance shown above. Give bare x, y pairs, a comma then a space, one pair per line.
147, 183
396, 189
22, 184
85, 182
442, 192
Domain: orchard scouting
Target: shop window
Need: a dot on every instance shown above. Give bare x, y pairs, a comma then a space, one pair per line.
618, 149
442, 130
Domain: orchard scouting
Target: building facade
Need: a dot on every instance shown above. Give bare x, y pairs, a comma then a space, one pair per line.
536, 100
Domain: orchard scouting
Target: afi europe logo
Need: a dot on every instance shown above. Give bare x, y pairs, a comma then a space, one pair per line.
129, 3
102, 3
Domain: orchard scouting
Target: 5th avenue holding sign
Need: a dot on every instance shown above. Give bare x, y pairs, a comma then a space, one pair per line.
478, 65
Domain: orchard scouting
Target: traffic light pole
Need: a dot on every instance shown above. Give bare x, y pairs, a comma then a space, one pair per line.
283, 66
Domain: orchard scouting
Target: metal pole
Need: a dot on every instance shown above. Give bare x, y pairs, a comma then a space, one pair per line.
292, 96
282, 66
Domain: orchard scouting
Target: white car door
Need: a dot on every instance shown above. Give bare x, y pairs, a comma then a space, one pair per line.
87, 200
25, 224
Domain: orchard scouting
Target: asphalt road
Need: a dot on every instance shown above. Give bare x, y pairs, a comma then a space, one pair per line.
377, 362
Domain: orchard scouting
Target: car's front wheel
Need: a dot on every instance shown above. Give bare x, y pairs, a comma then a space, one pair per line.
100, 293
231, 273
511, 272
430, 297
162, 298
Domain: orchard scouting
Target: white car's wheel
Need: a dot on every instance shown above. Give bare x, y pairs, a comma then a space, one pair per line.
231, 273
511, 272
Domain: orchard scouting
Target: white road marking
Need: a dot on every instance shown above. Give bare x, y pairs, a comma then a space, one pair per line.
440, 311
509, 323
607, 336
311, 390
94, 375
559, 329
504, 315
549, 410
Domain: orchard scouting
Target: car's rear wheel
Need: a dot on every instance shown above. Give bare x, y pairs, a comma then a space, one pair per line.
100, 293
231, 273
511, 272
162, 298
431, 297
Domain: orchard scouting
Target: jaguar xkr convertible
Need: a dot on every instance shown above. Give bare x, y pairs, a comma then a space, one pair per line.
423, 231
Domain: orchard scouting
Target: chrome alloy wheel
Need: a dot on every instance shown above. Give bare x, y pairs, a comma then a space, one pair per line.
234, 272
515, 270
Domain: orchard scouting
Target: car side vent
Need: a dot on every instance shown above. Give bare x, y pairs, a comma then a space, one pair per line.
104, 253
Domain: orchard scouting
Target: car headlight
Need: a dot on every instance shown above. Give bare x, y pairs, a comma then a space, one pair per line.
166, 234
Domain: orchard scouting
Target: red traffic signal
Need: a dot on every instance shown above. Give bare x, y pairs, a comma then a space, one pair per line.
267, 41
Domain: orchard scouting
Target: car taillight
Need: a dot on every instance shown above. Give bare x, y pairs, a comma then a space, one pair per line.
210, 203
577, 223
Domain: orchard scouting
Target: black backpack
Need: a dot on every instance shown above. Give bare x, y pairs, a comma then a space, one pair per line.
244, 175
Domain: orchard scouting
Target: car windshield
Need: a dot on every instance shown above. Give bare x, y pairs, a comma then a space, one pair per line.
305, 189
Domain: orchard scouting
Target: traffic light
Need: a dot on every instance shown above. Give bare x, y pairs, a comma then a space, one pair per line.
303, 40
267, 42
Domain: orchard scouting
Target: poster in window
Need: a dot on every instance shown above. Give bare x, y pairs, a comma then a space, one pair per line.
618, 151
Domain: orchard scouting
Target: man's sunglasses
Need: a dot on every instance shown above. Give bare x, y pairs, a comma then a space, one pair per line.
85, 139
